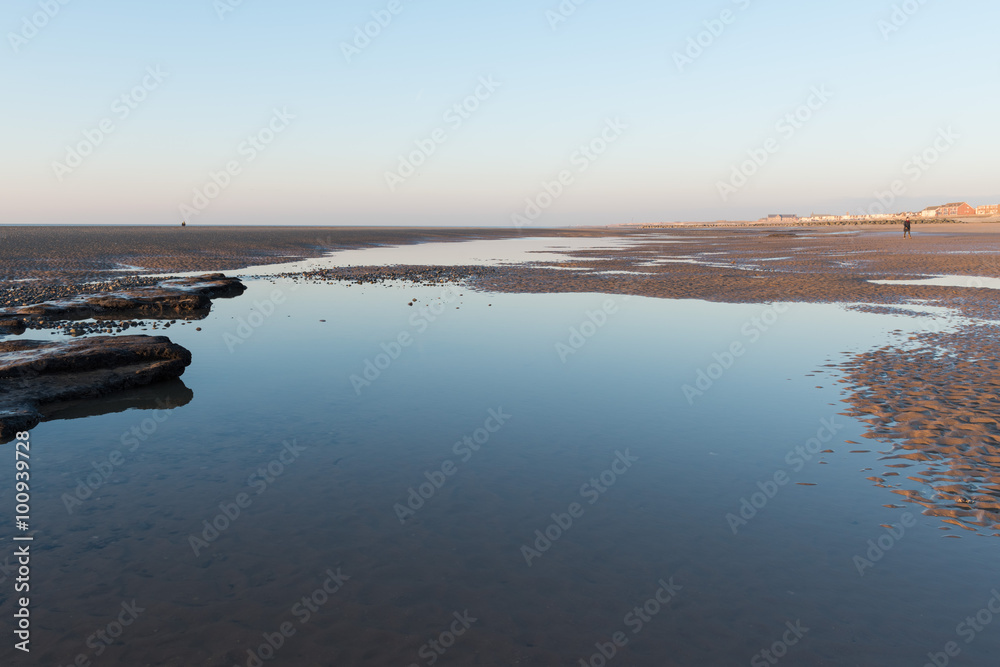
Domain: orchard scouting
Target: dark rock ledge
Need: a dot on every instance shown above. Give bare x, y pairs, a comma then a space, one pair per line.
38, 374
177, 297
41, 379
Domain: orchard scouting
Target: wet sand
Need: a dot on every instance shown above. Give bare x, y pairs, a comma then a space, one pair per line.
78, 253
732, 264
933, 400
777, 264
930, 409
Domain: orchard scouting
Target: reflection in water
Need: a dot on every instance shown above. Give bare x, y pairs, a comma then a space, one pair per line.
37, 373
158, 396
452, 253
289, 479
975, 282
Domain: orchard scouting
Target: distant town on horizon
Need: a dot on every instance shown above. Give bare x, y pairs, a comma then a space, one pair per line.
952, 210
944, 212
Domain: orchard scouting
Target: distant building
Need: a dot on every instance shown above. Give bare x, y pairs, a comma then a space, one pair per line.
930, 212
782, 217
992, 209
960, 208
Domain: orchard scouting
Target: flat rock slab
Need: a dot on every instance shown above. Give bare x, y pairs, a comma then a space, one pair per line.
37, 374
176, 297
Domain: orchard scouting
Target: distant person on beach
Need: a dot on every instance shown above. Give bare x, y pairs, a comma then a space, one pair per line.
906, 228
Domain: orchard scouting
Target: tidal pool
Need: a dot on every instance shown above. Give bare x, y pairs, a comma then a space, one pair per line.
491, 252
492, 479
947, 281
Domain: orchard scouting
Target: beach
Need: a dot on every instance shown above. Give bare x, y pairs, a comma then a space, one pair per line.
819, 263
734, 423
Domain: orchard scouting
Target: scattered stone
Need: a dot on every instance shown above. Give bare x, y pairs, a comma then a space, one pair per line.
377, 275
166, 299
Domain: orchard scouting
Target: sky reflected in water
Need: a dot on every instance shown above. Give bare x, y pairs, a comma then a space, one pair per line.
420, 447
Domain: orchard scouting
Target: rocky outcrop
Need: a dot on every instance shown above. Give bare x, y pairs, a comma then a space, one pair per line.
35, 375
178, 297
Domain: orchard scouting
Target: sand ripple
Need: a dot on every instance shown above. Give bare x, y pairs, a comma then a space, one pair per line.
928, 401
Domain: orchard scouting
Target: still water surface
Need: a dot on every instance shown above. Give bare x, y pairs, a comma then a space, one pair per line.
502, 417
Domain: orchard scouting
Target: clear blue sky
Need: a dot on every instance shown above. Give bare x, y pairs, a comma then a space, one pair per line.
676, 131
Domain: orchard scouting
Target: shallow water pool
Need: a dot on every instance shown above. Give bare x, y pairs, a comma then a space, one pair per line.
492, 479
